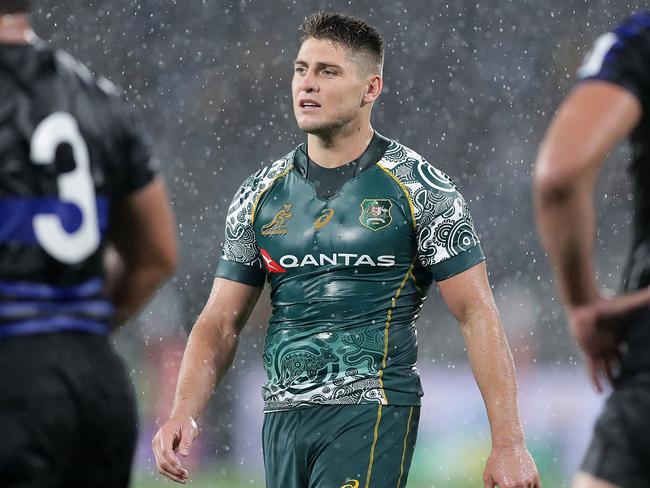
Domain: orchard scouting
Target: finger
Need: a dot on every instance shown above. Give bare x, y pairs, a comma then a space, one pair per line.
487, 481
632, 301
593, 373
188, 433
185, 447
167, 456
488, 484
163, 441
169, 472
607, 366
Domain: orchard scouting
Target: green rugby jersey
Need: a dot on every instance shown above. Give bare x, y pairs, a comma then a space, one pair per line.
348, 274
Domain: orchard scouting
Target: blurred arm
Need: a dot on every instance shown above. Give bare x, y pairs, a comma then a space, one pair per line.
589, 123
142, 252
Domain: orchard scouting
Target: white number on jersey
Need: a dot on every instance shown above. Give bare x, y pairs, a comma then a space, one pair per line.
594, 59
75, 187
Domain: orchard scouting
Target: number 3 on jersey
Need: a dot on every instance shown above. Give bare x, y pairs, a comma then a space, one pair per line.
75, 187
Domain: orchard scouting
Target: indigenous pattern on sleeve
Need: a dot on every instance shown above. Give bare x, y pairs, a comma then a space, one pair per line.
444, 225
348, 273
241, 259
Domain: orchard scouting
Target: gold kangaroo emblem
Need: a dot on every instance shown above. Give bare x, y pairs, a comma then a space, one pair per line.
351, 484
277, 226
323, 220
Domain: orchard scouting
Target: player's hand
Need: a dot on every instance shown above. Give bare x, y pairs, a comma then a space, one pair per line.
511, 467
597, 328
174, 437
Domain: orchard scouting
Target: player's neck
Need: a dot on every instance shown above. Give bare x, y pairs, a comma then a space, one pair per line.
334, 150
15, 29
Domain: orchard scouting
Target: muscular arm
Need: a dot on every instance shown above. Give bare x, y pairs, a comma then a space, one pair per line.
209, 353
212, 345
469, 298
142, 252
590, 122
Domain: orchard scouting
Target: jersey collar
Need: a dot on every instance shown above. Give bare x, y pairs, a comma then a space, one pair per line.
373, 153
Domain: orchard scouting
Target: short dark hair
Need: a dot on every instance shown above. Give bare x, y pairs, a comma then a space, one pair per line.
14, 6
352, 33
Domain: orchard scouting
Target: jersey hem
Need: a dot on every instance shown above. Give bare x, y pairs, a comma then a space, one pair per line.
241, 273
301, 405
457, 264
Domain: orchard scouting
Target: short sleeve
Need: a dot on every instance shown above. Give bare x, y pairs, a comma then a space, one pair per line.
621, 57
241, 259
137, 165
447, 241
142, 164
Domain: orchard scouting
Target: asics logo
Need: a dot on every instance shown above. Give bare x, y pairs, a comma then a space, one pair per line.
323, 220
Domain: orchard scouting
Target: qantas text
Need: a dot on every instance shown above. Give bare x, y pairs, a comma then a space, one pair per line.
347, 259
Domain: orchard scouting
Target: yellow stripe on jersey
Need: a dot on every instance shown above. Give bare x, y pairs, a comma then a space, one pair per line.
271, 183
389, 317
404, 189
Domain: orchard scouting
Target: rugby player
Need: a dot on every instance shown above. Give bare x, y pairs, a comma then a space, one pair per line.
76, 178
350, 229
610, 103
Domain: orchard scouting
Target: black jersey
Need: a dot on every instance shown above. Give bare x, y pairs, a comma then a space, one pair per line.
69, 150
622, 57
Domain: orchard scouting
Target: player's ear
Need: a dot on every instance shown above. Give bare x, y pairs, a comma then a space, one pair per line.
373, 89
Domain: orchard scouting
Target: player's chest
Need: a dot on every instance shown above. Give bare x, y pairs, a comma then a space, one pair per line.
368, 223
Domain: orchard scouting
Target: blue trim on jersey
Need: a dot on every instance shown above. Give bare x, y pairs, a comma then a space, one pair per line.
52, 324
629, 29
24, 289
101, 309
17, 216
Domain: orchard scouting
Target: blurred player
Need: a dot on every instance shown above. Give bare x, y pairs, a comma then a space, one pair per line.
351, 229
75, 176
612, 102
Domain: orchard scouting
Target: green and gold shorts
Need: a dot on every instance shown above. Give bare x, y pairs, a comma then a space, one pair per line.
346, 446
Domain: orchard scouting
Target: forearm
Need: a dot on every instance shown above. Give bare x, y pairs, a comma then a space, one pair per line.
208, 356
587, 126
566, 224
493, 367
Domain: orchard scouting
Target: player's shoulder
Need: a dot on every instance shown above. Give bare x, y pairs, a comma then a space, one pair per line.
627, 44
632, 33
259, 182
637, 24
633, 30
414, 172
70, 66
263, 178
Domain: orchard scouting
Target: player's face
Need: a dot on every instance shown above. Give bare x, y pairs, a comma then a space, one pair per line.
328, 91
